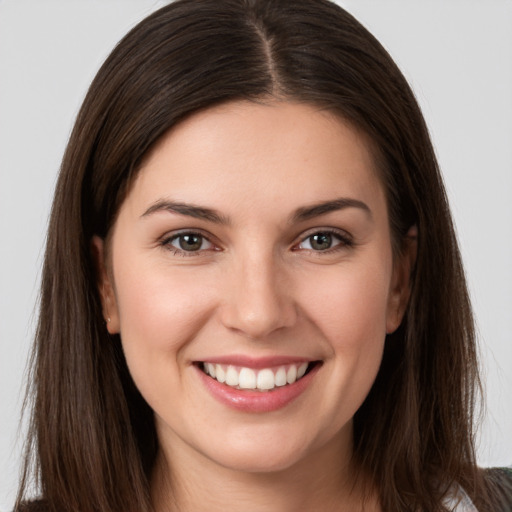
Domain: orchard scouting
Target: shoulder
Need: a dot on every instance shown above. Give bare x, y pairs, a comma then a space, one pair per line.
495, 494
499, 485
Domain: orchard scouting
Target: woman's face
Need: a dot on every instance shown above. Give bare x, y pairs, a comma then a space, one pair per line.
255, 245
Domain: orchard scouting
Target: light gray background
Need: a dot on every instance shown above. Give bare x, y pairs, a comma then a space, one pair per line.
456, 53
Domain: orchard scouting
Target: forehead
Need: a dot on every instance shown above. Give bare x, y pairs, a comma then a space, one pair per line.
257, 154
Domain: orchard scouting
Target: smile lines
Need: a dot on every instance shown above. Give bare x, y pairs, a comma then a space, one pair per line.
265, 379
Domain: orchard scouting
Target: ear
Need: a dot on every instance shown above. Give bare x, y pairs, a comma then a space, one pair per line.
400, 290
105, 285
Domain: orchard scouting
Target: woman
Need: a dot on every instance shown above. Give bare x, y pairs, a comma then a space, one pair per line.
252, 293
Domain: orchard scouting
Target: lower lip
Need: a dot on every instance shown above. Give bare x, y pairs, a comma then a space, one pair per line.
257, 401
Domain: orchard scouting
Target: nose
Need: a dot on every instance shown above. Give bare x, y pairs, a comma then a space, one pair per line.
259, 301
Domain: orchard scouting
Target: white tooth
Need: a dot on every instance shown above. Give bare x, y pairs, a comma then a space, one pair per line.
210, 368
265, 379
247, 379
291, 374
302, 370
231, 377
220, 374
280, 378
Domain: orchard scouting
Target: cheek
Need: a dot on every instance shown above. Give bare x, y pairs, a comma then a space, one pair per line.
346, 305
349, 305
349, 309
159, 311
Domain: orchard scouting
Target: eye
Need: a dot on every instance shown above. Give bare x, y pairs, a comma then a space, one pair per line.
188, 242
323, 241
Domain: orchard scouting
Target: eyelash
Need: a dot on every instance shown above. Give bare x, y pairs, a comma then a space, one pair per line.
344, 239
167, 243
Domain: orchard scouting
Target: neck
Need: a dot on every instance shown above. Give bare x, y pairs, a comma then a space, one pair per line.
324, 481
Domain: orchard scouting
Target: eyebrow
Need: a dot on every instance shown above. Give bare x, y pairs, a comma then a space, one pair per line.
190, 210
315, 210
300, 215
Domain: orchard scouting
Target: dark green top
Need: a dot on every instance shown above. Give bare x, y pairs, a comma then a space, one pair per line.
500, 486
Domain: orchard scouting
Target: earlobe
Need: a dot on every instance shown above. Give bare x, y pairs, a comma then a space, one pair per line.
105, 285
402, 280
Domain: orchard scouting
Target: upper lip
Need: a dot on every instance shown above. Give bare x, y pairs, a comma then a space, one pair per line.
256, 362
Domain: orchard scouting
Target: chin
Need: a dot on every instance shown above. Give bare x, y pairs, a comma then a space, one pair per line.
253, 455
255, 463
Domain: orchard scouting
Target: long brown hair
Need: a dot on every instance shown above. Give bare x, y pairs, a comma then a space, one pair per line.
92, 440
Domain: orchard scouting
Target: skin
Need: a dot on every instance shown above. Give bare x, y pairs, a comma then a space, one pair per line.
257, 286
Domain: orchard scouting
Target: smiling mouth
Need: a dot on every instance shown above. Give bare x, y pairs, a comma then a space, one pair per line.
263, 379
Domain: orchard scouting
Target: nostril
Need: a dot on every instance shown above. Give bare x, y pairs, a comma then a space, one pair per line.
257, 320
